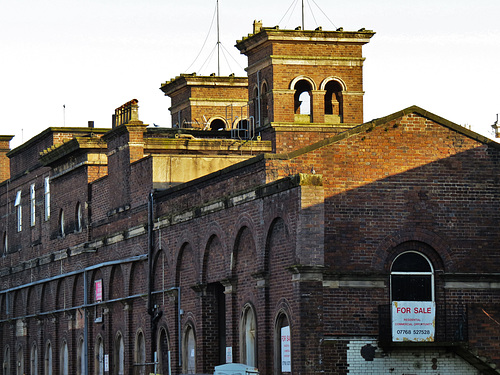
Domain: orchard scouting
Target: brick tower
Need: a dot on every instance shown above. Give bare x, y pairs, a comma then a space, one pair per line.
206, 102
307, 81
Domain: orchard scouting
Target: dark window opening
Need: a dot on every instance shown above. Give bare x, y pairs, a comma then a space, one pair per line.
333, 99
217, 124
302, 97
264, 106
411, 278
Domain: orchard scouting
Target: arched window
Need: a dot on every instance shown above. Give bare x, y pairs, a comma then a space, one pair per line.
189, 351
80, 358
61, 223
163, 352
412, 294
48, 359
20, 361
99, 358
248, 337
64, 360
302, 97
282, 345
264, 110
5, 244
34, 359
217, 124
19, 210
6, 361
78, 217
256, 105
333, 99
119, 355
140, 353
412, 278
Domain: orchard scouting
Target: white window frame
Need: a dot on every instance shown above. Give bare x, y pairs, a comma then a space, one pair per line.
47, 197
32, 205
415, 273
61, 224
19, 211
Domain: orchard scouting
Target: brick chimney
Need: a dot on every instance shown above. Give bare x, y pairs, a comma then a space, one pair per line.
125, 146
4, 160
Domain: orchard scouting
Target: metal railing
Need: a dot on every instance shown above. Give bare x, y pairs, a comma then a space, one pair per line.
451, 324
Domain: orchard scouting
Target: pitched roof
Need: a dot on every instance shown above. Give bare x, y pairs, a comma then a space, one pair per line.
382, 121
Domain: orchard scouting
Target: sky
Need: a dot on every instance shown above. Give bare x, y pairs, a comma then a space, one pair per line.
65, 62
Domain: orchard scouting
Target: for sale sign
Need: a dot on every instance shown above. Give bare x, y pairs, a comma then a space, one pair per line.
286, 354
98, 290
413, 321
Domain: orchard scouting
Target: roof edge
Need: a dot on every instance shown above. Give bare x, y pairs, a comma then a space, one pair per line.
383, 120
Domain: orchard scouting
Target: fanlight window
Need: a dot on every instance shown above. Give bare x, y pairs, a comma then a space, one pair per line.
412, 278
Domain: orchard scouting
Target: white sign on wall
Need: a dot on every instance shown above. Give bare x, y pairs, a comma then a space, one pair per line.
286, 353
413, 321
98, 290
229, 354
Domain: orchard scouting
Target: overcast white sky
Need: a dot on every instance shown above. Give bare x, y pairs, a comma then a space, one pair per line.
94, 55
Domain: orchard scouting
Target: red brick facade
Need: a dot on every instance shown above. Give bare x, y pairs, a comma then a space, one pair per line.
304, 231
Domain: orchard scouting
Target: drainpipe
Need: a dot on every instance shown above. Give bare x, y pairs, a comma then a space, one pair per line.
85, 324
151, 309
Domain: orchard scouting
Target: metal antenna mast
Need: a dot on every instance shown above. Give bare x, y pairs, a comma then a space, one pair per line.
303, 15
218, 41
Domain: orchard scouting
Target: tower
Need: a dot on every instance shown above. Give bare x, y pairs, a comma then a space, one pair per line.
304, 80
206, 102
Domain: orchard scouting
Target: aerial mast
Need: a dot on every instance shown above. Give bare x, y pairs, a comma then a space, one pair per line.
218, 41
302, 14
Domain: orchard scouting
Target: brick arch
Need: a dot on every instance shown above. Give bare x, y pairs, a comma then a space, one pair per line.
433, 245
137, 282
245, 260
283, 307
283, 312
78, 290
186, 251
333, 78
216, 262
215, 240
48, 297
294, 81
215, 118
18, 303
164, 344
243, 220
160, 270
97, 275
244, 244
186, 279
63, 294
420, 247
116, 285
32, 296
271, 226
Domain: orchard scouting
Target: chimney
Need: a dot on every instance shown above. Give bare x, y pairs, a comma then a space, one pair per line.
4, 160
257, 26
128, 112
91, 124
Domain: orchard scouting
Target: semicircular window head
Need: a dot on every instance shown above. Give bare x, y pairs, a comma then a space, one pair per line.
412, 278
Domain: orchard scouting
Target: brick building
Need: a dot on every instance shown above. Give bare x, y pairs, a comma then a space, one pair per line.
270, 227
